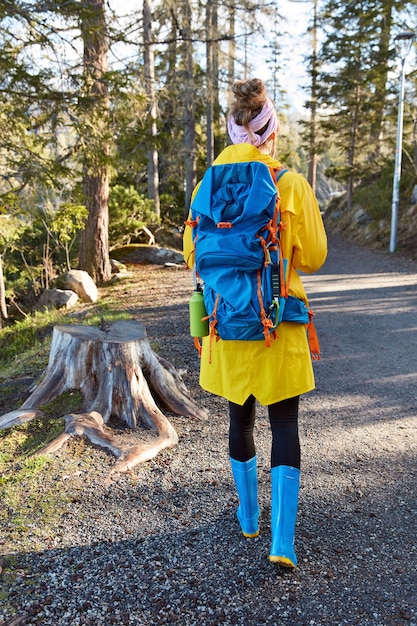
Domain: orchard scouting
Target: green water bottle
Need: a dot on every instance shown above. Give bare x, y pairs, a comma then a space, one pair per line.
198, 326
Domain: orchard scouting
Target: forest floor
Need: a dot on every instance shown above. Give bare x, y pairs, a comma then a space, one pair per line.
160, 544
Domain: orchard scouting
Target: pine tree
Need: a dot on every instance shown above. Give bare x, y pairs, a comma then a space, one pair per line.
30, 104
344, 87
189, 101
94, 249
149, 70
353, 83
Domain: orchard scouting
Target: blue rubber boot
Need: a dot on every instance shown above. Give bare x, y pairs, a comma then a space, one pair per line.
246, 481
285, 488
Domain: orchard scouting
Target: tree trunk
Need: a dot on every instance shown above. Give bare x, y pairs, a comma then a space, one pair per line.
3, 307
94, 248
312, 162
189, 106
414, 114
116, 372
231, 56
379, 99
218, 139
209, 83
352, 147
149, 63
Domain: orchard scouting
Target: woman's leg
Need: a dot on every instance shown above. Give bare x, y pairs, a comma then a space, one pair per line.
242, 421
283, 417
285, 480
243, 464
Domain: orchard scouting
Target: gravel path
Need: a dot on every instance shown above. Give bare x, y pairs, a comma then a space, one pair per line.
161, 544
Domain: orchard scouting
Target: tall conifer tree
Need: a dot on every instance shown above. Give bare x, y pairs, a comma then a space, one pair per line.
94, 249
353, 82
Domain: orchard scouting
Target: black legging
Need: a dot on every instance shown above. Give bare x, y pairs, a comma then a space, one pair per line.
283, 417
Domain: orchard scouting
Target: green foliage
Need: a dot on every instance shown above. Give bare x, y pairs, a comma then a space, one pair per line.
30, 487
60, 120
11, 229
375, 194
129, 212
36, 242
9, 203
22, 441
24, 346
26, 335
68, 402
31, 504
66, 223
353, 85
128, 119
172, 212
27, 114
19, 504
288, 146
28, 468
375, 191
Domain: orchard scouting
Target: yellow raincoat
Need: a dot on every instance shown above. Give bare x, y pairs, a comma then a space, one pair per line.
284, 370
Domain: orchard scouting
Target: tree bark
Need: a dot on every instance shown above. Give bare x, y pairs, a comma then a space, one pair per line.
3, 307
231, 57
379, 99
116, 371
312, 153
94, 248
352, 147
189, 105
149, 66
209, 83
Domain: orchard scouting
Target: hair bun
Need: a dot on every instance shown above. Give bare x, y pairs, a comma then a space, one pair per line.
249, 97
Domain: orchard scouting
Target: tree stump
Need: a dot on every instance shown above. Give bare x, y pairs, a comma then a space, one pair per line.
117, 373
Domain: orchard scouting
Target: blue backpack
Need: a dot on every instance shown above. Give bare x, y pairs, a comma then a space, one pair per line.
235, 217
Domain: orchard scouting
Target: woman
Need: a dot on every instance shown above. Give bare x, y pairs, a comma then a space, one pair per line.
275, 376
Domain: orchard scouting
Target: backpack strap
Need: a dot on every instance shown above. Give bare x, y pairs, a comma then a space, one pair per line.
283, 290
279, 287
279, 173
267, 323
313, 340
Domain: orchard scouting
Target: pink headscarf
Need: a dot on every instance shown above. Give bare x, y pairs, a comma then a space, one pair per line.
239, 134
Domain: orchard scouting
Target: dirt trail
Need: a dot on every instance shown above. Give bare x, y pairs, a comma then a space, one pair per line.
161, 545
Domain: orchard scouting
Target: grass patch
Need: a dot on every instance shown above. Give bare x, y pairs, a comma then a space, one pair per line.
20, 441
31, 496
25, 345
107, 311
30, 505
70, 402
27, 335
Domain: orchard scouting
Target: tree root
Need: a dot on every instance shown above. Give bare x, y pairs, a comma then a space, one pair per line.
116, 372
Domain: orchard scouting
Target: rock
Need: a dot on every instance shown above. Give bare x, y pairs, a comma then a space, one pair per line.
117, 266
57, 299
142, 254
361, 217
80, 282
